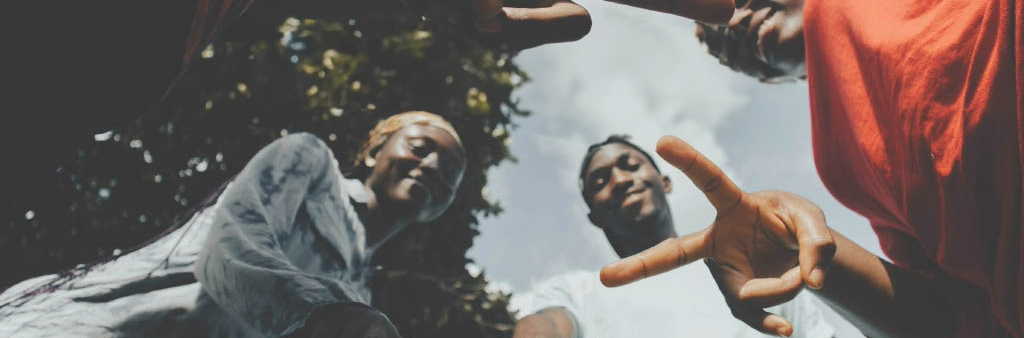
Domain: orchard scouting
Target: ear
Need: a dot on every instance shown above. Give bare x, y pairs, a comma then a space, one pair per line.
667, 183
595, 220
373, 153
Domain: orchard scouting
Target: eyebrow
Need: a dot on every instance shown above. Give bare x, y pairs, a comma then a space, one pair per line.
625, 155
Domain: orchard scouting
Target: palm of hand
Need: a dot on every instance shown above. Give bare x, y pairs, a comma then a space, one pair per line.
761, 248
757, 237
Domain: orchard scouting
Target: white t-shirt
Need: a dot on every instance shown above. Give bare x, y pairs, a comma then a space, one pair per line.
682, 303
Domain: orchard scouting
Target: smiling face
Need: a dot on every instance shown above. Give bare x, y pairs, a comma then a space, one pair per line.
417, 172
625, 192
764, 39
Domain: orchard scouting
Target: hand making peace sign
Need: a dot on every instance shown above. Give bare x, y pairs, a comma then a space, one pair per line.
761, 248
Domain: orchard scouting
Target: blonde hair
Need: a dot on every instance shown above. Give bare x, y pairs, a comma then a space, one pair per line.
384, 129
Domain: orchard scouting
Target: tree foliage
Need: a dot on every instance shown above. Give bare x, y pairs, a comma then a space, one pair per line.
261, 81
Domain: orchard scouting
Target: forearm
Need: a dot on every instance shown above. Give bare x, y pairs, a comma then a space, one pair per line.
881, 299
547, 323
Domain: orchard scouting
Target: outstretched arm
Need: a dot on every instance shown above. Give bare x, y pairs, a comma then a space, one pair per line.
764, 247
882, 299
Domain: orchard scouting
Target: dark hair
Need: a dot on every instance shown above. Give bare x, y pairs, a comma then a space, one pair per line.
616, 138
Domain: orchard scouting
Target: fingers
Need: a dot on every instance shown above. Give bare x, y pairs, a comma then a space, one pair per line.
767, 292
710, 179
711, 11
667, 255
767, 323
522, 25
748, 297
560, 22
817, 246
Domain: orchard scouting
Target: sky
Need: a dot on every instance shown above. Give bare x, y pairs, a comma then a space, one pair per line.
644, 74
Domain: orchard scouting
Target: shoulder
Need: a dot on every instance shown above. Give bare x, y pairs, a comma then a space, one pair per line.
572, 281
299, 141
294, 153
563, 290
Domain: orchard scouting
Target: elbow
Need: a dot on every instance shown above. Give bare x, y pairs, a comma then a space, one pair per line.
299, 145
302, 140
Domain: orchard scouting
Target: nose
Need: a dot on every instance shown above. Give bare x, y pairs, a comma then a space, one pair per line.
429, 161
621, 180
431, 169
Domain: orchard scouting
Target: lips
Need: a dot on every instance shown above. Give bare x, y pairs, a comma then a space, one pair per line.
419, 183
632, 198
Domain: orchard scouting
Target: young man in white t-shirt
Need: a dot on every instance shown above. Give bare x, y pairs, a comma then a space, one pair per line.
626, 194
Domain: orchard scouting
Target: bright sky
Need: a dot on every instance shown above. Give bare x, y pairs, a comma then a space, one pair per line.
644, 74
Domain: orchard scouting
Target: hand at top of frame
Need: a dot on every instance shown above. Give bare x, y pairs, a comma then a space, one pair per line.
513, 24
761, 248
709, 11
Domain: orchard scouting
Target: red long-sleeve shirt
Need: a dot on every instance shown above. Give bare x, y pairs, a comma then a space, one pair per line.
916, 114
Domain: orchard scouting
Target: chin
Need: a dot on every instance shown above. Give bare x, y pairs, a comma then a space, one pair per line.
643, 223
646, 213
406, 201
407, 193
647, 221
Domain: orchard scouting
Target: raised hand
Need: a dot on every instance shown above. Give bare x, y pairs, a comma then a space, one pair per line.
761, 248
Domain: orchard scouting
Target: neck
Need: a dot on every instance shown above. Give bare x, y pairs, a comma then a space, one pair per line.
380, 224
628, 245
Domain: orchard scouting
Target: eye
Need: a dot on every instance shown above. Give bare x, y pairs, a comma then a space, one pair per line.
420, 148
596, 182
629, 163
